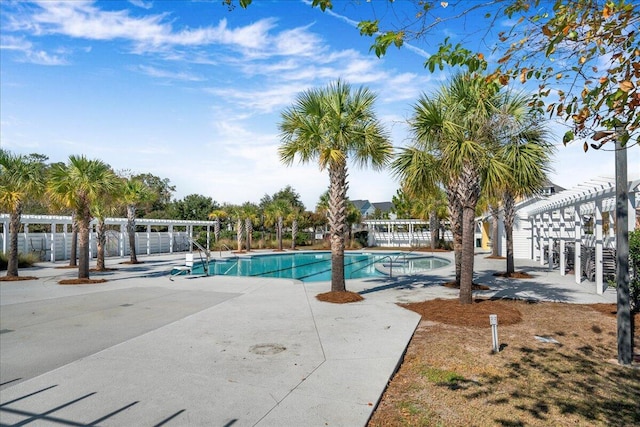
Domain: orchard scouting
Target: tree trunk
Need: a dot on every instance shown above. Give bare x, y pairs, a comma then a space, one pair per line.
131, 230
73, 257
249, 230
466, 274
101, 243
239, 234
433, 227
83, 243
294, 231
337, 222
509, 218
455, 215
216, 230
279, 232
495, 244
14, 229
468, 194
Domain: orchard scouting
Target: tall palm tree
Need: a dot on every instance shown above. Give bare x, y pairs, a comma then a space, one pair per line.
217, 216
105, 206
21, 178
294, 218
78, 185
526, 152
332, 125
275, 213
134, 193
454, 127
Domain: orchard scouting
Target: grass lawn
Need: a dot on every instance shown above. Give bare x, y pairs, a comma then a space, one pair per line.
450, 377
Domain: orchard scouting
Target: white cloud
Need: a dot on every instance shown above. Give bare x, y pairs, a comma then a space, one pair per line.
142, 4
31, 54
170, 75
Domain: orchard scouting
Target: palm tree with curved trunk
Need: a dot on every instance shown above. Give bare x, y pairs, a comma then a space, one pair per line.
454, 129
333, 125
78, 185
21, 178
134, 193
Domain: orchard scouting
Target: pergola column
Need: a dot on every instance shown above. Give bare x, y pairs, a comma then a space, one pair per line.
121, 240
540, 240
549, 218
599, 242
52, 243
577, 257
563, 264
171, 238
148, 239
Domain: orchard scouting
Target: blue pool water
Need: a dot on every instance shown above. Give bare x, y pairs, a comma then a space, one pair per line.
316, 266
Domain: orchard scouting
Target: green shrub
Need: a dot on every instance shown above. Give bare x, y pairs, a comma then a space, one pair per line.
24, 260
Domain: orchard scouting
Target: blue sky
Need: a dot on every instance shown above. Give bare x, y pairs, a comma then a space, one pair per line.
193, 92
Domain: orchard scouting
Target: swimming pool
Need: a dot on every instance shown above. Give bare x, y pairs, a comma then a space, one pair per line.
316, 266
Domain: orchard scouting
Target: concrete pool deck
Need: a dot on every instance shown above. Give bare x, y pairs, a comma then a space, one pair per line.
230, 351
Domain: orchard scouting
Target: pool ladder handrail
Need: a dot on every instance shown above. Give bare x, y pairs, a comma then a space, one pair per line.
201, 249
403, 254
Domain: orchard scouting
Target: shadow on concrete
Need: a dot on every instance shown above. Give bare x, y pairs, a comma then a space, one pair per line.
49, 416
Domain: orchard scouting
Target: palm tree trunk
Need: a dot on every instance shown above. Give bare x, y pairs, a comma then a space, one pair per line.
279, 231
455, 215
73, 257
239, 234
468, 193
495, 245
433, 227
466, 273
101, 242
14, 228
509, 218
216, 230
294, 231
83, 243
337, 222
131, 230
249, 230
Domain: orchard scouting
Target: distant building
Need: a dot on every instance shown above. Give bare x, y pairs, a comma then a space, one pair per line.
374, 210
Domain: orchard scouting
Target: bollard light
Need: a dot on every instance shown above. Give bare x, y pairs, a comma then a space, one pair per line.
493, 321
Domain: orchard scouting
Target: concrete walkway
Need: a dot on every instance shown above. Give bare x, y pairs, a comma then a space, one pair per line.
218, 351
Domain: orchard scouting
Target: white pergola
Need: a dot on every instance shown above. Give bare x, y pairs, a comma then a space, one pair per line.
57, 238
561, 218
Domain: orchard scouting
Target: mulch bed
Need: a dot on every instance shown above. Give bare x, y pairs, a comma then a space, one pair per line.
16, 278
476, 315
81, 281
340, 297
514, 275
130, 263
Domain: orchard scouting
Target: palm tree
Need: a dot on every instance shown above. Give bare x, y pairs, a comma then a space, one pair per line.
21, 178
105, 206
217, 216
249, 212
331, 125
78, 185
354, 216
455, 147
526, 153
294, 217
134, 193
275, 212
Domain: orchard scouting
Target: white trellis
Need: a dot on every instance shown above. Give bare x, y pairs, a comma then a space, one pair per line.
574, 218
